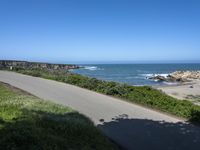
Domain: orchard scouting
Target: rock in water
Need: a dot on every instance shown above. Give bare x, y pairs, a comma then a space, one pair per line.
158, 78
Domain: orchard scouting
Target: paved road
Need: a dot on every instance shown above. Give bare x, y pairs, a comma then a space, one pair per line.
131, 126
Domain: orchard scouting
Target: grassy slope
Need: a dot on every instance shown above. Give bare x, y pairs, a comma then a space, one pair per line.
143, 95
27, 122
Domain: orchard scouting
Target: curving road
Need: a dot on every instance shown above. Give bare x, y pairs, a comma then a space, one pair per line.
131, 126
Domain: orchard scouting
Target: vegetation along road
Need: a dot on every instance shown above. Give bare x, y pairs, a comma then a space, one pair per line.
129, 125
29, 123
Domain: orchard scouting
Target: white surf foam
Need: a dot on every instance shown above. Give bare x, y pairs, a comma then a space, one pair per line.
153, 75
171, 83
92, 68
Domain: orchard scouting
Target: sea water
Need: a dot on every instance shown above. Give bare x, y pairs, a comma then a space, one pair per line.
133, 74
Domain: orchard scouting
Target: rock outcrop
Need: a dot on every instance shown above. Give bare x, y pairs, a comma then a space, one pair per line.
158, 78
10, 64
186, 74
178, 76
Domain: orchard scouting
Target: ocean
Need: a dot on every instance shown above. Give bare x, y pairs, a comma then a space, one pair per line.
133, 74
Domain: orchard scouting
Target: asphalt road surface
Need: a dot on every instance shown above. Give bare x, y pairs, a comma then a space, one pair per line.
131, 126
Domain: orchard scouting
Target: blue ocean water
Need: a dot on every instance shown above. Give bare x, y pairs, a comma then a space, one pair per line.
133, 74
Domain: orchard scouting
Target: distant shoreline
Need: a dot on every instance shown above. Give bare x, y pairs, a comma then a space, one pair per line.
13, 64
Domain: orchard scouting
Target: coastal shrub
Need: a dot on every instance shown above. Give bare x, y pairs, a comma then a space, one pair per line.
36, 74
144, 95
91, 84
100, 86
116, 89
195, 114
75, 79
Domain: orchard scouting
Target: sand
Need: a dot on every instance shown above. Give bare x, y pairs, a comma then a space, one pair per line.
186, 91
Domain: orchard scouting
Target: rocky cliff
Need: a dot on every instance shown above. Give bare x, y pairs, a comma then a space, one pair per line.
186, 74
10, 64
178, 76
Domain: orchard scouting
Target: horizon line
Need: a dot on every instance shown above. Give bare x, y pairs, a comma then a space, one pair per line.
110, 62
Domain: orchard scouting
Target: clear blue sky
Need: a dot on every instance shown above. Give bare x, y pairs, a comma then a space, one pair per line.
100, 30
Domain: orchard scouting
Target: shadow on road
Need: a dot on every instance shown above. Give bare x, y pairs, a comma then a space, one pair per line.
144, 134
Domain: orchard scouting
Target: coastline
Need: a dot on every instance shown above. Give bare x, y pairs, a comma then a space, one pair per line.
169, 86
133, 74
16, 64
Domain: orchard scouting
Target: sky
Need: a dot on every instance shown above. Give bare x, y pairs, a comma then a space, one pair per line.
81, 31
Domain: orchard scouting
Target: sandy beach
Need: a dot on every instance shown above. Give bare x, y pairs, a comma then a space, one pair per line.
185, 91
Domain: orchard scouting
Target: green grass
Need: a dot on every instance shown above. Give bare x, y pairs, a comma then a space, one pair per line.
28, 123
142, 95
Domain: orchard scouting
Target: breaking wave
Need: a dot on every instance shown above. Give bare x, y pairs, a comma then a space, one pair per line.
153, 75
92, 68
